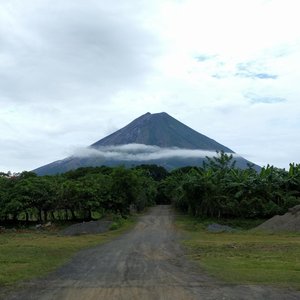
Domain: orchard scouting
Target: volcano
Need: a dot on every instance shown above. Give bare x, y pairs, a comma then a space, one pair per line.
150, 139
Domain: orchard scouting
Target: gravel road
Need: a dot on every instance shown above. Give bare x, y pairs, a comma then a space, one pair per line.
145, 263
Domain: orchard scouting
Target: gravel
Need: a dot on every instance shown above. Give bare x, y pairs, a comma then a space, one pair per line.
91, 227
287, 222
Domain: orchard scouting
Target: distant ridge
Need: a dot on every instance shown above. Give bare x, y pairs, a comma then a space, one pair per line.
158, 130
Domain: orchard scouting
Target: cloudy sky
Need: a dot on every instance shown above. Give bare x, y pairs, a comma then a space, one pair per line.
73, 71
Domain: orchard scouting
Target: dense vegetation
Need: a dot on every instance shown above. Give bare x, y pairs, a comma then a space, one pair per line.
217, 189
221, 190
78, 194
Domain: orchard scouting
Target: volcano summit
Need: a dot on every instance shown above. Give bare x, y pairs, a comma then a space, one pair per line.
150, 139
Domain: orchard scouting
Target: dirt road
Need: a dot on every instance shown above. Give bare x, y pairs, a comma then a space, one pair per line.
146, 263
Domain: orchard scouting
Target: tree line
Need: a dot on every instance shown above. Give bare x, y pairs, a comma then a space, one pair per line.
83, 194
217, 189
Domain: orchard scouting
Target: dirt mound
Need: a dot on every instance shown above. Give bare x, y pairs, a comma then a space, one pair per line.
91, 227
288, 222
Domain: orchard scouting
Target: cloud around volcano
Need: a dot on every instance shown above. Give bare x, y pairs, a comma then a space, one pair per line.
141, 152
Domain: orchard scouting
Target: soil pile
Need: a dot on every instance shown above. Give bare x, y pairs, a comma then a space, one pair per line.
91, 227
288, 222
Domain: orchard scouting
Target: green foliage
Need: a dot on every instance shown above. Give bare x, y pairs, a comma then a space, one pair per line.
157, 173
216, 190
219, 190
77, 194
119, 222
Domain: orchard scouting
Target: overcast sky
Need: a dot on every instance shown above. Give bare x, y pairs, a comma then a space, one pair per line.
74, 71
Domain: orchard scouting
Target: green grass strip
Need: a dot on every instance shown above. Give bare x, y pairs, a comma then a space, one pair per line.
244, 257
26, 255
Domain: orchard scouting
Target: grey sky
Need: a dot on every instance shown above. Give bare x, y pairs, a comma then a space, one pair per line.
72, 72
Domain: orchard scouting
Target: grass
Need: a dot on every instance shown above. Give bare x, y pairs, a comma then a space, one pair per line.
245, 257
29, 254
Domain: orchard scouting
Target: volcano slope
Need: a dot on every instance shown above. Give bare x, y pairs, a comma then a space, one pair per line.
146, 140
145, 263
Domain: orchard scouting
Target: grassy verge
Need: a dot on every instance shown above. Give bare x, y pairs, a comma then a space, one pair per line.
245, 257
28, 254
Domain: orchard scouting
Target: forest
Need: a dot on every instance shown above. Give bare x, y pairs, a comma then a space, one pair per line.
217, 189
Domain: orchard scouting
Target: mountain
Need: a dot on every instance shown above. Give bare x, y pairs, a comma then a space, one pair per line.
160, 130
150, 139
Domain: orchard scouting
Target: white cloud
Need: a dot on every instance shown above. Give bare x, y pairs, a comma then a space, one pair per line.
141, 152
73, 71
